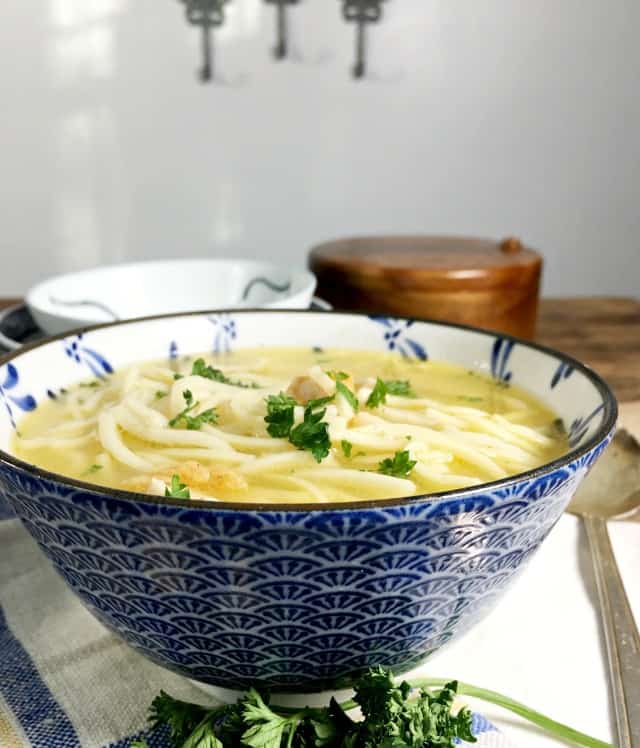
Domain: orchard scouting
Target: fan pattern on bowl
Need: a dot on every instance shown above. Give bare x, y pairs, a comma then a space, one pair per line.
290, 600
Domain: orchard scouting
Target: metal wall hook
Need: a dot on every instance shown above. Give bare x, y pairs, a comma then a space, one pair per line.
281, 49
361, 12
208, 15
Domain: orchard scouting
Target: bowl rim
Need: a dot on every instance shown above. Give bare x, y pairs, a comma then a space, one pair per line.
609, 403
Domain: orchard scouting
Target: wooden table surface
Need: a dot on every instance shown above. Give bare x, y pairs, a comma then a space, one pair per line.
603, 332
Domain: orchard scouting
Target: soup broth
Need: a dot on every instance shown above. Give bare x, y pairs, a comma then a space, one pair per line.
291, 425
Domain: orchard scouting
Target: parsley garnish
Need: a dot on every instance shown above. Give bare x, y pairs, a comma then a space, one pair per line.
200, 369
347, 446
160, 394
337, 376
93, 383
347, 394
279, 418
177, 376
378, 394
399, 466
401, 387
312, 434
382, 388
93, 469
192, 423
470, 398
178, 489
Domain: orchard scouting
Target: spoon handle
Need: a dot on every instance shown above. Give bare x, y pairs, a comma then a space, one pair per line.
620, 633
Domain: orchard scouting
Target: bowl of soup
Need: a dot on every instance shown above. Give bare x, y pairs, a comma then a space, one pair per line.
282, 499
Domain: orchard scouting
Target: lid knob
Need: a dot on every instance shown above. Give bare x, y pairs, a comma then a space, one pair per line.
511, 245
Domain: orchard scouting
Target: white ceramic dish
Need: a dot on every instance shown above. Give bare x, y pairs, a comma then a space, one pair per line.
142, 289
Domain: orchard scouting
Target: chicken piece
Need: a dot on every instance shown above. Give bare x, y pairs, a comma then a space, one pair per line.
306, 388
227, 480
193, 474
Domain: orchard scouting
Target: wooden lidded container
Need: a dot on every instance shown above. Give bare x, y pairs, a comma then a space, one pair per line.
455, 279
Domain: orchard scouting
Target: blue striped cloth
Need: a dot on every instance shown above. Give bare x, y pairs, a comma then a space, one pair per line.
65, 681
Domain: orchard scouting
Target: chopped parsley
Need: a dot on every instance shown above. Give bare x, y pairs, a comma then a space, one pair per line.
200, 369
93, 469
470, 398
347, 447
398, 466
178, 489
160, 394
93, 383
193, 423
312, 434
280, 412
557, 428
378, 394
348, 395
337, 376
382, 388
177, 376
400, 387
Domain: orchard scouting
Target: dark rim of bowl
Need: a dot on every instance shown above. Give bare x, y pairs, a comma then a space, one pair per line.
610, 414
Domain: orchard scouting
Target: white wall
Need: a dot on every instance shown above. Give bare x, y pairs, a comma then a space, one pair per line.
486, 117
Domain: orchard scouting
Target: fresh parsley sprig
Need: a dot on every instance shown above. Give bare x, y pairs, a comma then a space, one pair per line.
193, 423
418, 714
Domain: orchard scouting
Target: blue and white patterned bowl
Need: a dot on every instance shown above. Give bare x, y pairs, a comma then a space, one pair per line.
294, 597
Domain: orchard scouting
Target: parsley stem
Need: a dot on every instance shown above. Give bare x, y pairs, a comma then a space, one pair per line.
546, 723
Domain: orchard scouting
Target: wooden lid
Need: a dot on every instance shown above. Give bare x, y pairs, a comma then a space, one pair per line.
426, 262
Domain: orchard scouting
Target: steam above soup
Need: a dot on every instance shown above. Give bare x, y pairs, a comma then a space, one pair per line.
291, 425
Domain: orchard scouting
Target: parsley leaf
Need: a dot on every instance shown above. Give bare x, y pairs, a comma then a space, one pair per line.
347, 394
399, 466
200, 369
160, 394
192, 423
93, 383
337, 376
378, 394
93, 469
347, 446
279, 418
266, 729
382, 388
312, 434
319, 402
401, 387
178, 489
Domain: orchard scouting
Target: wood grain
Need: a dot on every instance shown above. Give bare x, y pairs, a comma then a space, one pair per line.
602, 332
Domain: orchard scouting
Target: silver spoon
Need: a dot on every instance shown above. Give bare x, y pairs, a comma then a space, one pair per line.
612, 489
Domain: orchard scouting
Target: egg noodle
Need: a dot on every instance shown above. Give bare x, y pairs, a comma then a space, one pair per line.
291, 425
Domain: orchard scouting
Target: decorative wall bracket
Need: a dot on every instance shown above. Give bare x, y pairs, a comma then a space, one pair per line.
361, 12
280, 51
208, 15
